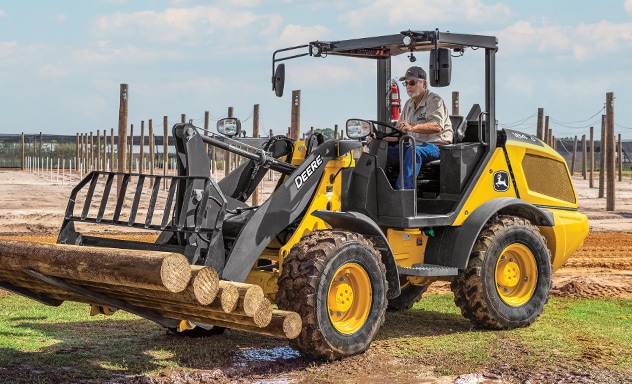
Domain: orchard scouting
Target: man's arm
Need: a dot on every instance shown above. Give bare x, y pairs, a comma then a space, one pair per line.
427, 127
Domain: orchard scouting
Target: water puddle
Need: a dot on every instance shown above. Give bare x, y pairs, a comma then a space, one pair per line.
248, 356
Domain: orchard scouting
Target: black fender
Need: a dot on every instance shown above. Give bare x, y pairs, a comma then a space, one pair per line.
451, 246
360, 223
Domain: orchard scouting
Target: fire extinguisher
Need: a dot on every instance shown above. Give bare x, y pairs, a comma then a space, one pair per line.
395, 102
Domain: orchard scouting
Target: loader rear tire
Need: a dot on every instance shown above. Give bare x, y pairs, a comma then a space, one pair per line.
337, 283
508, 277
410, 294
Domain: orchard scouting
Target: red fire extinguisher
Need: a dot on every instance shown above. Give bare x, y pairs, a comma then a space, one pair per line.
395, 102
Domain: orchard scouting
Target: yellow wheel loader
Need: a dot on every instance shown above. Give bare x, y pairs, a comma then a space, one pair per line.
335, 245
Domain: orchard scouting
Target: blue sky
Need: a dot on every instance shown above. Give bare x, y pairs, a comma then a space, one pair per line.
62, 62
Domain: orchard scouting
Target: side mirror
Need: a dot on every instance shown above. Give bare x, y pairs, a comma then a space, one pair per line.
358, 129
440, 67
278, 81
229, 126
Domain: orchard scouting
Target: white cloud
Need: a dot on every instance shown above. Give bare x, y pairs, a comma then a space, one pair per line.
192, 26
628, 5
294, 34
2, 13
7, 48
59, 17
397, 11
53, 71
580, 42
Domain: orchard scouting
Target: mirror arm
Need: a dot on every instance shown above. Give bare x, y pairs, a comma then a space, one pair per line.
275, 60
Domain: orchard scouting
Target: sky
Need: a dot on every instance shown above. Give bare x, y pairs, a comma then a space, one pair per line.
62, 62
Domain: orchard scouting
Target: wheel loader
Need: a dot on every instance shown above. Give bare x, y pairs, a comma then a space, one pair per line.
335, 245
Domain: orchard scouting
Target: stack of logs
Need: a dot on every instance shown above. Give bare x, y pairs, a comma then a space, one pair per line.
160, 282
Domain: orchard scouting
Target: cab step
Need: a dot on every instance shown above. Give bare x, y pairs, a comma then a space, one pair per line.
428, 270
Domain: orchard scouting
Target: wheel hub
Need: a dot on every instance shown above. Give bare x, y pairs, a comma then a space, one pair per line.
516, 275
343, 297
349, 298
509, 274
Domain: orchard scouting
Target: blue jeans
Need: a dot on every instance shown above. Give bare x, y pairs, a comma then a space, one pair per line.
424, 153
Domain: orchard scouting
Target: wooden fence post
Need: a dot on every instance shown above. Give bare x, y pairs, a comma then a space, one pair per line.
602, 157
584, 156
255, 134
122, 134
592, 157
620, 158
295, 122
540, 132
165, 147
573, 156
455, 103
22, 151
141, 168
610, 155
151, 147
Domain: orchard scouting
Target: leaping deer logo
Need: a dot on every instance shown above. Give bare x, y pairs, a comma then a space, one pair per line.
501, 182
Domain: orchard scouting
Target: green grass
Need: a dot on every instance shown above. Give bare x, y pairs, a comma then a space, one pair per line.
585, 333
43, 344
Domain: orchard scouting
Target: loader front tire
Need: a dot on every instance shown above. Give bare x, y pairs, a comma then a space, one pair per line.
508, 277
336, 281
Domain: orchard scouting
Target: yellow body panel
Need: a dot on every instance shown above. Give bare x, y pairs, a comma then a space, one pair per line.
484, 189
408, 245
568, 234
328, 196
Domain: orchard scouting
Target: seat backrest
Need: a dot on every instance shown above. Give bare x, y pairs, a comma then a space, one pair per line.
470, 131
458, 128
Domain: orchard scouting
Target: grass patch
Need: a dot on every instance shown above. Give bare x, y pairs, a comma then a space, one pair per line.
40, 344
579, 334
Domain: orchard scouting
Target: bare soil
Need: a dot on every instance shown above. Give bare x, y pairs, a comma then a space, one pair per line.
33, 205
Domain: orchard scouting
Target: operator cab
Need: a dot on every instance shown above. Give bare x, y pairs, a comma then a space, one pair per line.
441, 187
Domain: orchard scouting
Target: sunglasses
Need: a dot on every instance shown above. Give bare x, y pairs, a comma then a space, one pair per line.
410, 82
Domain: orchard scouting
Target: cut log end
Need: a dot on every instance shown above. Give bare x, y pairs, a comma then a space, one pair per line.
292, 324
175, 272
205, 283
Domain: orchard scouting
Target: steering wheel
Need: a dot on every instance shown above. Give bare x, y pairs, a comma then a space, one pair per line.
392, 131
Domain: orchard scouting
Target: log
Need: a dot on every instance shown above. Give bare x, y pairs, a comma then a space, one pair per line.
284, 324
250, 298
164, 271
227, 297
204, 285
263, 315
34, 285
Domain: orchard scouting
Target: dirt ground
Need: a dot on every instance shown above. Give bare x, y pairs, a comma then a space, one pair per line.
33, 205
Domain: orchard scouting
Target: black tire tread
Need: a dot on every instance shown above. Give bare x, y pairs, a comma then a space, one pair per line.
299, 280
468, 286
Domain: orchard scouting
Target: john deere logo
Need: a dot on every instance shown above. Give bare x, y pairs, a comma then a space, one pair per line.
501, 181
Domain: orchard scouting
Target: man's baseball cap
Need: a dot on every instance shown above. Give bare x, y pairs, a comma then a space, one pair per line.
414, 73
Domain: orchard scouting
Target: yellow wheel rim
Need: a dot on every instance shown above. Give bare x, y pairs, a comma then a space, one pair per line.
349, 298
516, 275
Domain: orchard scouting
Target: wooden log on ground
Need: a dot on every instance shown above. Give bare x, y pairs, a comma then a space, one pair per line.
154, 270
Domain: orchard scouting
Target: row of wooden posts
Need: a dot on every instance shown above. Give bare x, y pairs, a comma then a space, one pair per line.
94, 158
608, 152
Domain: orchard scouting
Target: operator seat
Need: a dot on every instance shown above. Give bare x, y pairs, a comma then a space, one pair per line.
465, 130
